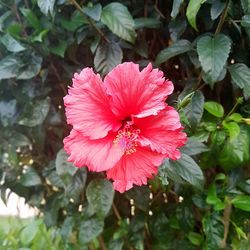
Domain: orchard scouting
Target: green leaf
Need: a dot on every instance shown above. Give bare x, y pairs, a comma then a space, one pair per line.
213, 53
213, 199
107, 56
194, 110
59, 49
150, 23
246, 6
90, 229
140, 195
177, 48
18, 140
195, 238
77, 184
11, 44
31, 17
30, 178
118, 19
15, 29
240, 75
31, 67
236, 117
216, 9
62, 164
77, 20
235, 152
35, 113
176, 8
213, 229
242, 202
67, 227
3, 17
187, 170
29, 232
7, 112
245, 22
100, 194
194, 147
94, 12
40, 36
9, 67
232, 128
176, 28
192, 10
214, 108
46, 6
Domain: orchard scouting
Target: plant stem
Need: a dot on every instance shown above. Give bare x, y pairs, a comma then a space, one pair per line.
74, 2
222, 19
238, 101
102, 243
118, 216
226, 222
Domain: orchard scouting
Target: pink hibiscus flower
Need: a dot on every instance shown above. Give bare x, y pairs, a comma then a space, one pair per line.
122, 125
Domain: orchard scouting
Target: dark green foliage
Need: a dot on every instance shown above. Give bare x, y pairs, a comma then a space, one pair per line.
201, 201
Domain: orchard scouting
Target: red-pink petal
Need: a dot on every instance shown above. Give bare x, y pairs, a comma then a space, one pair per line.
135, 92
162, 133
135, 168
87, 106
98, 155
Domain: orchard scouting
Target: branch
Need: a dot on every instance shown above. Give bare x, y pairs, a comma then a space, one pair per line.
222, 19
74, 2
226, 222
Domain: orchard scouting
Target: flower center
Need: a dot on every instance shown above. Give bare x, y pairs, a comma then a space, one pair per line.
127, 139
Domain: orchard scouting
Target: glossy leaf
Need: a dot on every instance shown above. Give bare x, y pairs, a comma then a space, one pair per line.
35, 114
187, 170
192, 10
214, 108
233, 129
235, 152
46, 6
213, 230
100, 194
195, 238
245, 22
77, 184
118, 19
31, 67
107, 56
59, 49
31, 17
242, 202
62, 164
240, 75
176, 7
90, 229
94, 12
194, 147
7, 112
194, 110
11, 44
245, 6
30, 178
8, 67
216, 9
213, 53
177, 48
